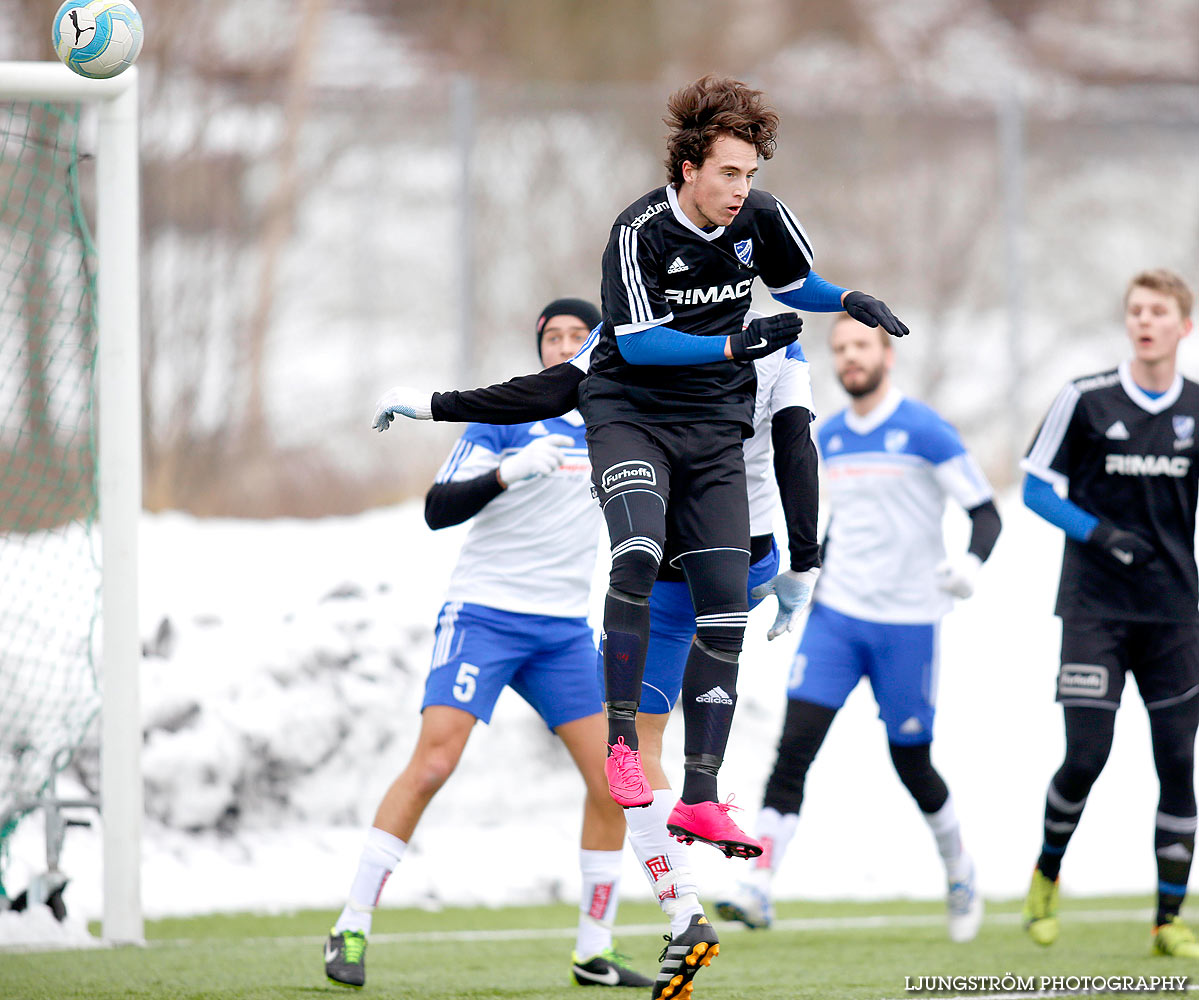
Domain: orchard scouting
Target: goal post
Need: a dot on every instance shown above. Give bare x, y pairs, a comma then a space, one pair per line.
118, 464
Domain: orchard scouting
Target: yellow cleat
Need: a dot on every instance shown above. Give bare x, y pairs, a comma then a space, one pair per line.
1176, 939
1040, 909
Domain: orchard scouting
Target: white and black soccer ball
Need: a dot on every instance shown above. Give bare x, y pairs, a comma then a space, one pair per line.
97, 38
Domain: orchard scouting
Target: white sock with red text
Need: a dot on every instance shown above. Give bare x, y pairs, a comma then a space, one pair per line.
664, 860
597, 905
380, 855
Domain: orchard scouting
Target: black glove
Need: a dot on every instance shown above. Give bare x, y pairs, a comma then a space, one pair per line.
764, 336
868, 310
1123, 546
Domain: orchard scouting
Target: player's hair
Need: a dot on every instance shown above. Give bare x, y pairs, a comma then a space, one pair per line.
701, 112
1166, 283
844, 317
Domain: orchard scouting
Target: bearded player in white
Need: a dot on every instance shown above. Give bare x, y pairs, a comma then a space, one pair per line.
889, 464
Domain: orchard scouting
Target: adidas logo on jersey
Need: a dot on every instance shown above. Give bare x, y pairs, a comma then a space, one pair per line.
1117, 432
717, 696
677, 266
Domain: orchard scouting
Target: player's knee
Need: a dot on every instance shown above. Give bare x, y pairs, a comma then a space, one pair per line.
721, 637
1175, 765
915, 768
432, 768
634, 570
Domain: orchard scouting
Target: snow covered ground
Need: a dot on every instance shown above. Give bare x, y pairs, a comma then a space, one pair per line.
283, 697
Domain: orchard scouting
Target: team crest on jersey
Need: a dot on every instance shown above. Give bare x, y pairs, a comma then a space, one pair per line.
744, 249
1184, 432
895, 440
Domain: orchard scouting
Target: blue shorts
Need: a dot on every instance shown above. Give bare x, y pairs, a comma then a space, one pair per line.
672, 627
902, 661
478, 651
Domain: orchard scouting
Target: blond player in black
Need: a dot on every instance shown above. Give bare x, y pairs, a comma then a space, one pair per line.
1122, 445
668, 399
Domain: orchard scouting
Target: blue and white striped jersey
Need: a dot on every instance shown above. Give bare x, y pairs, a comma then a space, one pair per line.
887, 475
531, 549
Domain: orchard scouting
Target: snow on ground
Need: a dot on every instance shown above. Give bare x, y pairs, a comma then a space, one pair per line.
283, 698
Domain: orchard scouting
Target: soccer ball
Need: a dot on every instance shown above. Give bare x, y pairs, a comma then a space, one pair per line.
97, 38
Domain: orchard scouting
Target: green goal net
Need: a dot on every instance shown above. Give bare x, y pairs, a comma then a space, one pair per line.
49, 560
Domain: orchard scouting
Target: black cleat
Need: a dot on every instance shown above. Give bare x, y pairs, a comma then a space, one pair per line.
345, 958
683, 956
608, 968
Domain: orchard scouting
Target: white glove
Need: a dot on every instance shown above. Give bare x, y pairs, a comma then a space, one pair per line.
956, 575
793, 590
414, 403
539, 458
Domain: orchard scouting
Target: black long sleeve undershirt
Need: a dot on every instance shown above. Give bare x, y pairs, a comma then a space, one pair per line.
550, 393
452, 503
985, 528
796, 470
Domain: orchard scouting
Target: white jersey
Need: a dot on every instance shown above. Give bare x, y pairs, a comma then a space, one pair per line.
532, 549
887, 475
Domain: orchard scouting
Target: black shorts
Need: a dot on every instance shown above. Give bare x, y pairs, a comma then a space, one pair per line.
1162, 656
697, 470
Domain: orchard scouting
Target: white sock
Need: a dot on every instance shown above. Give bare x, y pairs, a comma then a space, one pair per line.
665, 862
597, 905
380, 854
775, 831
948, 834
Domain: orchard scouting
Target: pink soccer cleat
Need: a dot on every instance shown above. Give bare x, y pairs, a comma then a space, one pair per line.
626, 779
709, 822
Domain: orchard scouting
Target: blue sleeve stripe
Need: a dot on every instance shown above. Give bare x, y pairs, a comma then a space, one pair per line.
461, 450
660, 345
1041, 498
814, 295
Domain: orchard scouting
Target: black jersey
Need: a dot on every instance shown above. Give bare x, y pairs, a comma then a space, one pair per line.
1129, 459
660, 269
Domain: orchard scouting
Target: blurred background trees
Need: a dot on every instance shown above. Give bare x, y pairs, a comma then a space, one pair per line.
341, 195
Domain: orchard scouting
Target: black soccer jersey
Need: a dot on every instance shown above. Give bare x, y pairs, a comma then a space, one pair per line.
661, 269
1129, 459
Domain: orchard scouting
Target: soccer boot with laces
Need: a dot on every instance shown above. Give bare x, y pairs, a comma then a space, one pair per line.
1176, 939
747, 904
345, 958
709, 823
1040, 909
964, 907
684, 955
608, 968
626, 778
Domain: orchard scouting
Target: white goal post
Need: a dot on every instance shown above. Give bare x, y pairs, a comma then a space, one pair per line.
119, 465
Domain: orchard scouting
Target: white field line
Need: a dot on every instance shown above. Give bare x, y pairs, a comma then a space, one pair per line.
723, 927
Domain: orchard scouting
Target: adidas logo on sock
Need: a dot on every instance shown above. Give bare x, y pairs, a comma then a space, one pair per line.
677, 266
717, 696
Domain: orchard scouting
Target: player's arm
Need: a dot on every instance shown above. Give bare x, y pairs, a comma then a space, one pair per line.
789, 276
795, 470
1126, 547
550, 393
1046, 483
477, 472
959, 476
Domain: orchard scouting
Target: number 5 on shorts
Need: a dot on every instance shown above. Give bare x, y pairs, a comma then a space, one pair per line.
464, 683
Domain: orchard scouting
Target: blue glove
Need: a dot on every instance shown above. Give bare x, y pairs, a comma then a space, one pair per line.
793, 590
